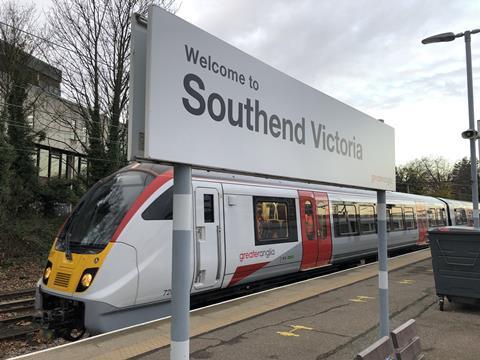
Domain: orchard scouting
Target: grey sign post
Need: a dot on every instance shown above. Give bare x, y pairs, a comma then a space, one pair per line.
182, 253
382, 263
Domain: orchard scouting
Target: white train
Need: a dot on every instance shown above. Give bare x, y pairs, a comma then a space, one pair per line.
110, 265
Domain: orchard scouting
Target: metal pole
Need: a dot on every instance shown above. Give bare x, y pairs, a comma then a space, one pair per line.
383, 263
471, 118
182, 267
478, 141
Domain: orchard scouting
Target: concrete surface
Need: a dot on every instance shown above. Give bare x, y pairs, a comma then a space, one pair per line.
144, 338
341, 323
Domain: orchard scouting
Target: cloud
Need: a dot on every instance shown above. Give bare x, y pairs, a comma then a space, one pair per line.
366, 53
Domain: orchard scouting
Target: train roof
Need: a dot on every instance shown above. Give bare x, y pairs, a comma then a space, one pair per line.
458, 203
159, 169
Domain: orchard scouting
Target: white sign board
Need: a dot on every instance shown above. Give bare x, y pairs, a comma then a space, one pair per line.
209, 104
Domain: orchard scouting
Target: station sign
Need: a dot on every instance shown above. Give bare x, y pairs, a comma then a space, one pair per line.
211, 105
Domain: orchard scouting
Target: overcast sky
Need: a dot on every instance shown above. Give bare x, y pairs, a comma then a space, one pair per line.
366, 53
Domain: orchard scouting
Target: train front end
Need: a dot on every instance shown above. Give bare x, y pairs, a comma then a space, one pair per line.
91, 272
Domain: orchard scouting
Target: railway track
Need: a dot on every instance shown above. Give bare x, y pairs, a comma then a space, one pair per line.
16, 314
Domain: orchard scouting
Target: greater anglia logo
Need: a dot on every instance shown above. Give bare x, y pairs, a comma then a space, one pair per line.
254, 254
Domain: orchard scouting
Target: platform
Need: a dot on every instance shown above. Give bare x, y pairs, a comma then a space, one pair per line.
331, 317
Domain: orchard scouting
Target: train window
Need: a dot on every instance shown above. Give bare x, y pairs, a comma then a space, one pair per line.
367, 219
208, 209
396, 218
409, 216
441, 219
432, 219
469, 217
275, 220
322, 207
460, 216
309, 220
99, 213
345, 219
161, 208
389, 219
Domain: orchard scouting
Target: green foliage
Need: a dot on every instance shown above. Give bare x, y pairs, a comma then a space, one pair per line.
461, 180
425, 176
28, 237
59, 191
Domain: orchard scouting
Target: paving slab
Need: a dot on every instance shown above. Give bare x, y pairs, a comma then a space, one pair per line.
342, 322
147, 338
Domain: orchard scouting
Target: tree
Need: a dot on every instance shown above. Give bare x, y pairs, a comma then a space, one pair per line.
19, 94
425, 176
461, 180
94, 57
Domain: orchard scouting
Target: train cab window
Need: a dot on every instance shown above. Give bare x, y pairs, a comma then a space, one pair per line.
396, 218
367, 219
161, 208
322, 207
275, 220
309, 220
99, 213
208, 209
345, 220
409, 216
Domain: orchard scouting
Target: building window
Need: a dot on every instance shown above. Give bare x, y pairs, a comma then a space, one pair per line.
43, 163
55, 164
275, 220
58, 163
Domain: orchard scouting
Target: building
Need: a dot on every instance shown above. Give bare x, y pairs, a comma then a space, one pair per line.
59, 153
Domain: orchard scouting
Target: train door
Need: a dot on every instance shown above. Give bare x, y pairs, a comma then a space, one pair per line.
422, 223
324, 235
208, 238
309, 233
315, 224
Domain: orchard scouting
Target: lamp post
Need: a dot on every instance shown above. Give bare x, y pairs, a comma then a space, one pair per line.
473, 158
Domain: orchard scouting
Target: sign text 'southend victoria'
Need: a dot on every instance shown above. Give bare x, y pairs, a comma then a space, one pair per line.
208, 104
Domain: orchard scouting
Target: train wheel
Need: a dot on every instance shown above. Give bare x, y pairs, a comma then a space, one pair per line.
73, 334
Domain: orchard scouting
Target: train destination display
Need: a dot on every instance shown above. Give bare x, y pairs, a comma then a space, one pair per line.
210, 105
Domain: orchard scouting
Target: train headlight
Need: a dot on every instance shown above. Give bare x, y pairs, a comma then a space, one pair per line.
86, 279
47, 272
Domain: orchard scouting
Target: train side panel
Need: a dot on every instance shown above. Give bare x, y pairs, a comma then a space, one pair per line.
261, 232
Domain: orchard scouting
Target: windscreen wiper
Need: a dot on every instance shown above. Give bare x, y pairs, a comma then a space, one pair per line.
68, 250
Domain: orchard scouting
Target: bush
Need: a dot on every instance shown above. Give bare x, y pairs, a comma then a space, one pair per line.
28, 237
58, 191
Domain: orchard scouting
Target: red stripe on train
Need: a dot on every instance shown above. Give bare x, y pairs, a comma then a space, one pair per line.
243, 271
156, 184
